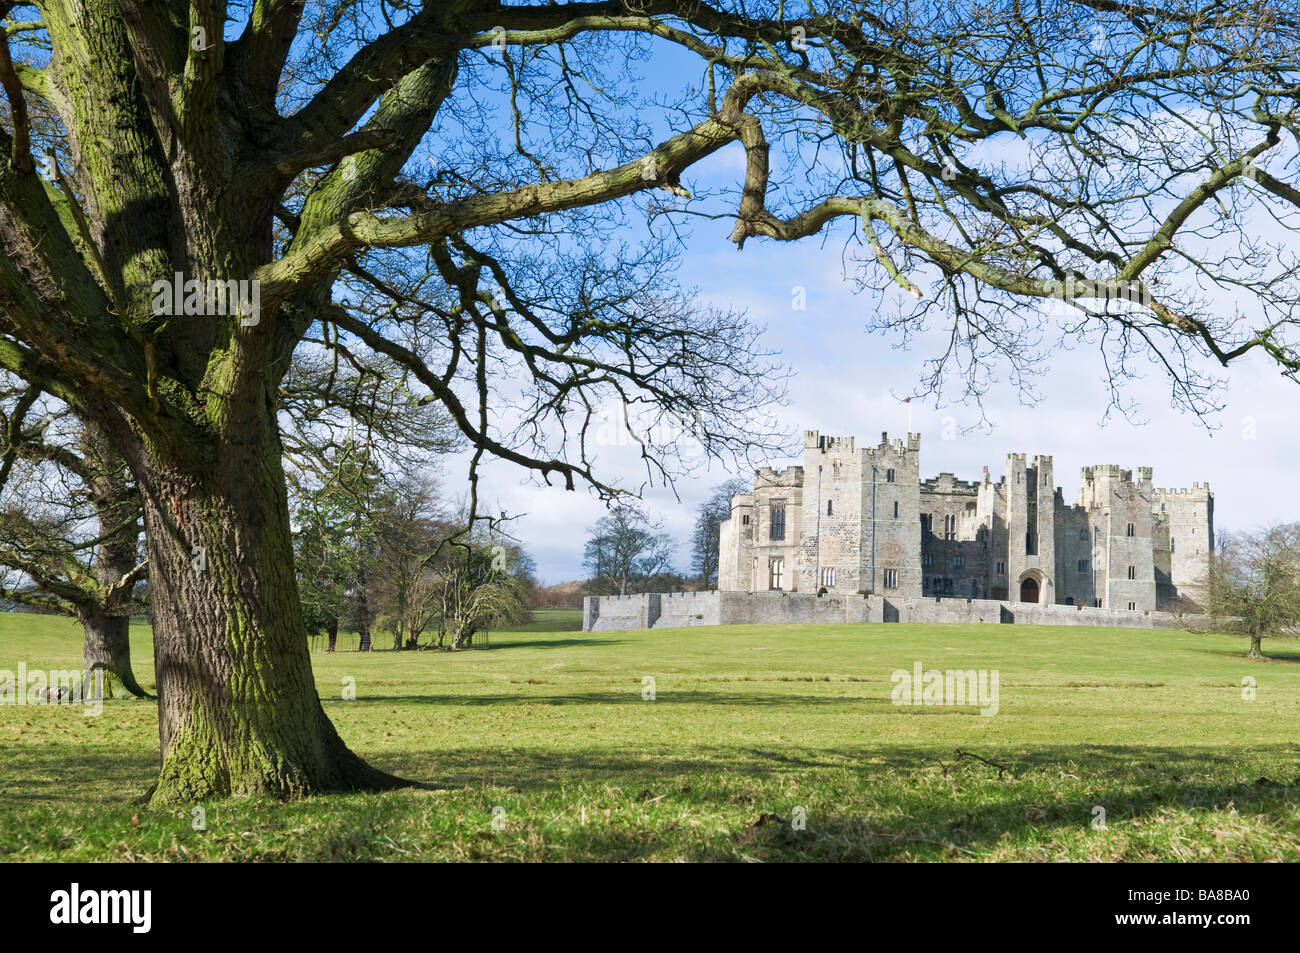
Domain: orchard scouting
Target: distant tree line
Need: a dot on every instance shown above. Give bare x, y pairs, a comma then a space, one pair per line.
628, 551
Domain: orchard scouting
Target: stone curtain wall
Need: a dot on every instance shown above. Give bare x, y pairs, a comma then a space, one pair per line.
680, 609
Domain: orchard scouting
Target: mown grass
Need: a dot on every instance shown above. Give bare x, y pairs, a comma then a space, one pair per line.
548, 735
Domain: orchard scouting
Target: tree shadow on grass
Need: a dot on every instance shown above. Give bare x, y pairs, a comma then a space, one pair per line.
64, 774
1285, 651
632, 696
919, 802
527, 768
869, 802
504, 640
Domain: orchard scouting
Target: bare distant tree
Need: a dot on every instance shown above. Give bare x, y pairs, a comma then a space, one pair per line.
624, 548
1255, 584
481, 581
712, 513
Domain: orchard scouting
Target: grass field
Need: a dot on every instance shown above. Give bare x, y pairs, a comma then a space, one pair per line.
542, 747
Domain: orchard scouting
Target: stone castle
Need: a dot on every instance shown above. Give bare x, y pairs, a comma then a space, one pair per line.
863, 521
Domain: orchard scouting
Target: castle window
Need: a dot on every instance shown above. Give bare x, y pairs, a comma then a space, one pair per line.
958, 561
927, 559
1132, 572
828, 578
1083, 535
1097, 602
776, 523
775, 572
830, 508
1083, 565
950, 527
744, 520
889, 476
895, 509
1130, 529
1171, 544
927, 523
891, 578
1162, 507
974, 588
1002, 568
1132, 606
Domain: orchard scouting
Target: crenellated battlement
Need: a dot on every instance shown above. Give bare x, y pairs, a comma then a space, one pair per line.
1198, 492
1111, 472
816, 440
948, 482
899, 445
787, 476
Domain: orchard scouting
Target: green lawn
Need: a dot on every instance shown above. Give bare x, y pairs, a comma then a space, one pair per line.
751, 727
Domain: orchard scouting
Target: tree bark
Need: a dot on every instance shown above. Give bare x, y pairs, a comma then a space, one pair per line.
333, 632
108, 648
238, 708
1256, 647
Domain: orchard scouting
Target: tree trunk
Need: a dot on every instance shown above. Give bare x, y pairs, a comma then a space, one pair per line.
363, 617
1256, 647
332, 630
108, 648
238, 708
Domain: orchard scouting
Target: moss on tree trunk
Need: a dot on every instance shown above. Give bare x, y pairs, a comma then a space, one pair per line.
238, 708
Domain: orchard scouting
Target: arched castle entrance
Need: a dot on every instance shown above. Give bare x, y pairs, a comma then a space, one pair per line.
1031, 587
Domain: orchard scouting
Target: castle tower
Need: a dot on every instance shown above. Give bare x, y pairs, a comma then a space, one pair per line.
832, 543
890, 524
758, 547
1124, 531
736, 545
1188, 541
1031, 529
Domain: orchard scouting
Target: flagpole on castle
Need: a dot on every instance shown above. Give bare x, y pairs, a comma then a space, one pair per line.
908, 401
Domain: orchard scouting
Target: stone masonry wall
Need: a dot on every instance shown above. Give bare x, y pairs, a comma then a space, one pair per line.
680, 609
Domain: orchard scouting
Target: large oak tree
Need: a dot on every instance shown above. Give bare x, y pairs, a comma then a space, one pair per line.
452, 186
